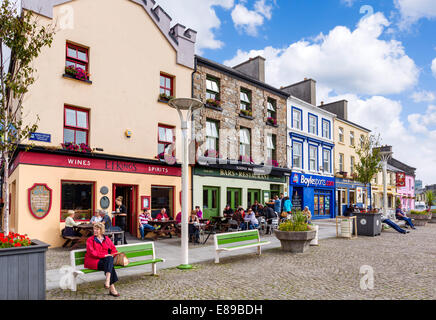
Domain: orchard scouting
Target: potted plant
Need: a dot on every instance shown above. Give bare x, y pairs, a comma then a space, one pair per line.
295, 234
420, 218
271, 121
27, 258
247, 113
214, 103
77, 73
273, 163
165, 98
83, 147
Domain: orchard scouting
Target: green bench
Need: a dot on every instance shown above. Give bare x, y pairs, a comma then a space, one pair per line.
232, 241
144, 250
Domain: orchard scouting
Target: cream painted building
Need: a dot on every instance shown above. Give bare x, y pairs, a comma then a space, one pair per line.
348, 137
132, 55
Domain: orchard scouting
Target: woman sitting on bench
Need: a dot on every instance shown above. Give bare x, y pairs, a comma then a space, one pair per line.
100, 252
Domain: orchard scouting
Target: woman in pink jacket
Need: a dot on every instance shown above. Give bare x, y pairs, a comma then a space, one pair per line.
100, 252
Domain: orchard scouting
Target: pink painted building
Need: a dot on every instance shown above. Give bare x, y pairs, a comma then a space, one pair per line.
407, 192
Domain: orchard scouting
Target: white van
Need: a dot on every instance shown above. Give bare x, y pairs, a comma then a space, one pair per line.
420, 206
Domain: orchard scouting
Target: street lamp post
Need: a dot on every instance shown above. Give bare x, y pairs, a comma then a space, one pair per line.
385, 155
189, 105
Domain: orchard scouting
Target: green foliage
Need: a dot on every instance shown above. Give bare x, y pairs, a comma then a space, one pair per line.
369, 159
397, 203
296, 223
429, 196
418, 212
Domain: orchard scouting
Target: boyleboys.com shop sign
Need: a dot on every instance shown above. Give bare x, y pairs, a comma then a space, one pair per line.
309, 180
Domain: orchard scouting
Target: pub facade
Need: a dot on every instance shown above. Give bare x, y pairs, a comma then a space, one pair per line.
107, 131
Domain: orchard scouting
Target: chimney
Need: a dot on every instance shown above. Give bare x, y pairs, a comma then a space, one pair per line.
339, 108
254, 68
304, 90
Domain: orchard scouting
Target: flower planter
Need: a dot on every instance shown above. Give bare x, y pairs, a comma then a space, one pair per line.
295, 241
420, 220
22, 275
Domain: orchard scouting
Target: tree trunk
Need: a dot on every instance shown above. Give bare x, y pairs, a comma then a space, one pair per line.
6, 194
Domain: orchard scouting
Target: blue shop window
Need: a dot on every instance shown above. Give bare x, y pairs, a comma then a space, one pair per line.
322, 200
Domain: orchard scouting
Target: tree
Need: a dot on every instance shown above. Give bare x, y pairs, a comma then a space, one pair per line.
25, 37
429, 196
369, 160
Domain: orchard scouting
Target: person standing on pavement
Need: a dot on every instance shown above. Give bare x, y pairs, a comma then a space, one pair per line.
287, 207
277, 205
120, 215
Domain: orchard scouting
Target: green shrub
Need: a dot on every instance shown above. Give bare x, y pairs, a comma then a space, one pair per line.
418, 212
296, 223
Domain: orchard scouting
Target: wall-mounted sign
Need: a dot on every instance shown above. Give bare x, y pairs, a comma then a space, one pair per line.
104, 190
145, 202
359, 195
43, 137
56, 160
401, 179
39, 199
104, 202
310, 180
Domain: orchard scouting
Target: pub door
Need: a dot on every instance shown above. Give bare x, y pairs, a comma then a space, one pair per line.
211, 200
129, 194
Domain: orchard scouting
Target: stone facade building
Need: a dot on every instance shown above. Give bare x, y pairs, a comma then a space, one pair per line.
244, 124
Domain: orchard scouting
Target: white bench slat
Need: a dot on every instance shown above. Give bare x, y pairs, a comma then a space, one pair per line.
243, 247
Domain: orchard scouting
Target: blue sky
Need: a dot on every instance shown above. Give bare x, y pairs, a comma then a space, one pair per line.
377, 54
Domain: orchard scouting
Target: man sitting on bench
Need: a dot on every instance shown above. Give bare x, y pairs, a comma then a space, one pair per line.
393, 225
400, 215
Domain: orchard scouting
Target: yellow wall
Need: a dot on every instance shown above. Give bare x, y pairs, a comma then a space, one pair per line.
49, 228
127, 52
344, 147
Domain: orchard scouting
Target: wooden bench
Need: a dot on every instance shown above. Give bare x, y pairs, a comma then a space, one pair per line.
144, 250
250, 238
71, 239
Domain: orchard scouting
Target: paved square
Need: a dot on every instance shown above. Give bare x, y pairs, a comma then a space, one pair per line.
404, 268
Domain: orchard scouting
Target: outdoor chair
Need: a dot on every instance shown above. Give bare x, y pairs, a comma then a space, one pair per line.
234, 225
273, 225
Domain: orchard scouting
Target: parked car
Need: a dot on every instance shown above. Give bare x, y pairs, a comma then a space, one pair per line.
420, 207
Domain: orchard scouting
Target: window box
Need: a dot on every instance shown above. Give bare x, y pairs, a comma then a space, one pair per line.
213, 103
344, 174
247, 114
77, 73
245, 159
68, 76
169, 159
273, 163
212, 154
272, 122
213, 107
83, 147
164, 98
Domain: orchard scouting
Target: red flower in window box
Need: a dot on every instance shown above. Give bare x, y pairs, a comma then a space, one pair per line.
213, 102
212, 153
166, 157
273, 163
78, 73
83, 147
272, 121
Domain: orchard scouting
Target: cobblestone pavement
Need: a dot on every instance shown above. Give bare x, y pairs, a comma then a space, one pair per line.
404, 268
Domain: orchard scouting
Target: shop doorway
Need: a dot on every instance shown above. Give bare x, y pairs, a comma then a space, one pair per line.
341, 198
234, 198
211, 200
162, 197
130, 196
322, 200
252, 195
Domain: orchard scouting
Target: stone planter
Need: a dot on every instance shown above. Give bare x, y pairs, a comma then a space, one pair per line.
22, 275
420, 220
433, 218
295, 242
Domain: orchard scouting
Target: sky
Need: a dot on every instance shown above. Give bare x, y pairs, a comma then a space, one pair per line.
380, 55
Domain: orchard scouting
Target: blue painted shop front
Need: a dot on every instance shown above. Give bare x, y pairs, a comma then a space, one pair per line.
349, 192
316, 192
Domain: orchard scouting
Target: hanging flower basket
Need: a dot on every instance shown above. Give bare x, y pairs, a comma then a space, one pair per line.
272, 121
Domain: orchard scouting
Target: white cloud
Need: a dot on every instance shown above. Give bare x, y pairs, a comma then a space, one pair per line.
200, 16
249, 21
348, 3
413, 140
423, 96
413, 10
423, 123
355, 61
433, 67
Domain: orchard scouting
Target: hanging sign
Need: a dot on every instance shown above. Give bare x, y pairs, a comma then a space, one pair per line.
39, 199
401, 179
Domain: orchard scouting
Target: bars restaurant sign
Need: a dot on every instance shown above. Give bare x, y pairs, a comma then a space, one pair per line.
40, 196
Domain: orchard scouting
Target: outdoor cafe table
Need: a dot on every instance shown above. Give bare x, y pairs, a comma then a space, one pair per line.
87, 229
166, 227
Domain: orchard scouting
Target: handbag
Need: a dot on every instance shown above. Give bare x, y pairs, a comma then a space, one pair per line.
284, 214
121, 260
